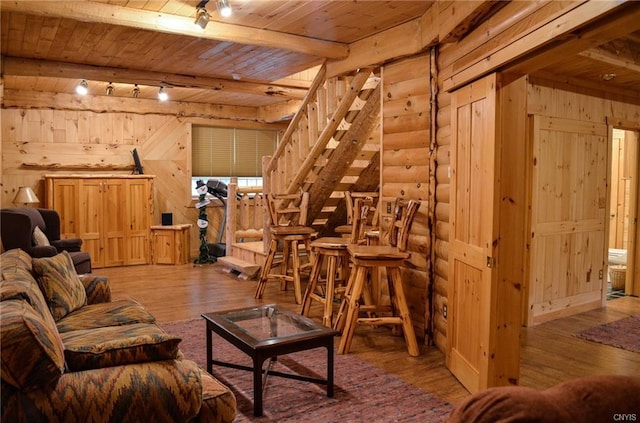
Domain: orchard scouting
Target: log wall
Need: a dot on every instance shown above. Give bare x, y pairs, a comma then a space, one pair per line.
38, 141
405, 166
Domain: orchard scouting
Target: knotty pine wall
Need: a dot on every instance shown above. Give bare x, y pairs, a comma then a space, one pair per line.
509, 24
39, 141
405, 166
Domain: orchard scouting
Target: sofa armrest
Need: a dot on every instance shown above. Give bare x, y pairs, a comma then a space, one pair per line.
40, 251
97, 287
71, 244
169, 390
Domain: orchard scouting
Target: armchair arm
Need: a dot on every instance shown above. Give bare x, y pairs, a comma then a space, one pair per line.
97, 287
40, 251
71, 244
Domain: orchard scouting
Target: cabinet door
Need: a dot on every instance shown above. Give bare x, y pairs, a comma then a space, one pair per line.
114, 222
63, 195
138, 220
90, 219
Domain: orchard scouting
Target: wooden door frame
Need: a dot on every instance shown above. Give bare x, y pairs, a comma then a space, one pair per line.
632, 284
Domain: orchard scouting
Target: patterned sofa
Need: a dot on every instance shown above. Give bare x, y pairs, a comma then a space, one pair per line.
69, 353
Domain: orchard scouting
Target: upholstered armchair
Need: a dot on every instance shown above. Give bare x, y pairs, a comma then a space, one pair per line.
37, 232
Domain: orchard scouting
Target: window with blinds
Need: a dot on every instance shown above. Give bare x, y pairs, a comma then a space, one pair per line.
227, 152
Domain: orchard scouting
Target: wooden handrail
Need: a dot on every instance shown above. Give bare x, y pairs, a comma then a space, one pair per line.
293, 126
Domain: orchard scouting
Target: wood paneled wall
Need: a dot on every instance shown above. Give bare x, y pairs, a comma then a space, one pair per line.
39, 141
405, 166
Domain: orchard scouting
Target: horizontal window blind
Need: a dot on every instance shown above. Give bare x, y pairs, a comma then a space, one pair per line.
226, 152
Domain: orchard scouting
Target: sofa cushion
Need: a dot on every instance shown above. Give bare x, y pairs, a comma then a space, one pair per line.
39, 238
32, 352
60, 284
114, 313
17, 284
118, 345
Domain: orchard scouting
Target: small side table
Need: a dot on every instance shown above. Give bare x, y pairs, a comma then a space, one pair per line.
170, 244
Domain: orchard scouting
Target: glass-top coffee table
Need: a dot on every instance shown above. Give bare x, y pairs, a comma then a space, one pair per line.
265, 332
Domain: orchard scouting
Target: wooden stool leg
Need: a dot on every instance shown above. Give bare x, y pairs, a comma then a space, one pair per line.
351, 319
297, 289
286, 253
329, 291
264, 276
344, 304
399, 302
311, 286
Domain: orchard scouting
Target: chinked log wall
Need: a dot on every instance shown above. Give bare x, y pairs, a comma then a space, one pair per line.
405, 163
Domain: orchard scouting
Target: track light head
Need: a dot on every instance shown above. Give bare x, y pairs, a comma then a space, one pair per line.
110, 89
162, 94
224, 8
202, 17
136, 91
82, 88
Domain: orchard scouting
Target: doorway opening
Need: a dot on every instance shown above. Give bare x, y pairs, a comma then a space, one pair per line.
623, 235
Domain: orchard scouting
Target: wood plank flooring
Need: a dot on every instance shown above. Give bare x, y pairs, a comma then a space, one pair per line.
550, 352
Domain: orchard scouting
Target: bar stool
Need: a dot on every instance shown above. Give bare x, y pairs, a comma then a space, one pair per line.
372, 217
368, 258
288, 213
334, 249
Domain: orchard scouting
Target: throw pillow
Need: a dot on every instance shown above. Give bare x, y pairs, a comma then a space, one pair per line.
117, 345
32, 353
60, 284
39, 238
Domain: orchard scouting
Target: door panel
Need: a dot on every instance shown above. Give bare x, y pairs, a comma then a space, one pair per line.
114, 222
473, 229
569, 194
90, 219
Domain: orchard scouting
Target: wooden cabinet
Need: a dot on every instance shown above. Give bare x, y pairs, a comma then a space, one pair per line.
111, 213
170, 244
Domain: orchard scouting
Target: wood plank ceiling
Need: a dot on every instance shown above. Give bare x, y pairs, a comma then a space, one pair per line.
127, 42
260, 56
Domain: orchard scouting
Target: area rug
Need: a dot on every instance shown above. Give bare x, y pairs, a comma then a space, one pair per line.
623, 333
362, 392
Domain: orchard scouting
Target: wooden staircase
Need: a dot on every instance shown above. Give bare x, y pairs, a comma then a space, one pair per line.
329, 147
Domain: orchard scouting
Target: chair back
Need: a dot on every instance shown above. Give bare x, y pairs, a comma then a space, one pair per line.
361, 210
372, 214
288, 209
404, 213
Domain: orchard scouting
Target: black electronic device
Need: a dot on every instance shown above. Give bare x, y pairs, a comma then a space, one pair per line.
137, 170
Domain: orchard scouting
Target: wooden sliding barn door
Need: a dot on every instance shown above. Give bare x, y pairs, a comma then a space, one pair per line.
474, 228
568, 217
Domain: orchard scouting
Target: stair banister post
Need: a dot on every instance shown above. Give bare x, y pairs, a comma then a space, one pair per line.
266, 190
232, 212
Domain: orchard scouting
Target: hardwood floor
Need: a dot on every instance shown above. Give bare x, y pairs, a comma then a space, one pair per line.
550, 352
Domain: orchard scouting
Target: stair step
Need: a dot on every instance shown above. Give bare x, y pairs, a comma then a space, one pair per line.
246, 270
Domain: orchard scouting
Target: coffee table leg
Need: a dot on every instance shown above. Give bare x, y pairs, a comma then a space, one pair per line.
330, 368
257, 386
209, 349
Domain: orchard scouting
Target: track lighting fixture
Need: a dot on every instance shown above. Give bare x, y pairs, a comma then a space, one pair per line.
136, 91
110, 89
162, 95
82, 88
202, 16
223, 8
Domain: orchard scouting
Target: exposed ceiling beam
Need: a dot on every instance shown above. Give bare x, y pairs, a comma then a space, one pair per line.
173, 24
610, 59
554, 41
43, 68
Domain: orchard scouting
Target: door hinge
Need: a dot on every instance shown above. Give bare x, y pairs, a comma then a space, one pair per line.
491, 262
601, 274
